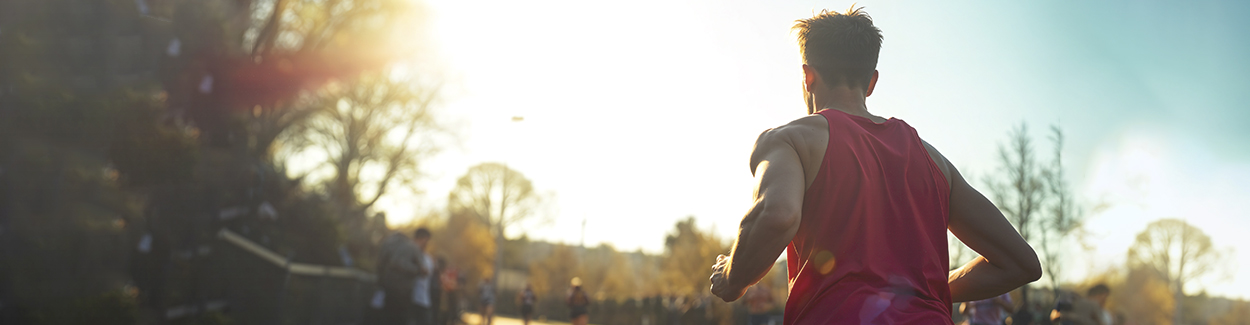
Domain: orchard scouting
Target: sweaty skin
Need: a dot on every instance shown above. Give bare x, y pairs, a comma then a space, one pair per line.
785, 162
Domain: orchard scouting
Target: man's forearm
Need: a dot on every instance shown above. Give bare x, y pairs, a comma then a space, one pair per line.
979, 279
762, 237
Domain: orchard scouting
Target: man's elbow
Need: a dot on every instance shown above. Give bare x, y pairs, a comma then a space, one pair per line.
1031, 270
1034, 273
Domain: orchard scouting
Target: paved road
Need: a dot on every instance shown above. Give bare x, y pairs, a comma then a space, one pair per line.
475, 319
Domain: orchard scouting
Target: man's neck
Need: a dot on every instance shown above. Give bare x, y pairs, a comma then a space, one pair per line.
848, 100
849, 107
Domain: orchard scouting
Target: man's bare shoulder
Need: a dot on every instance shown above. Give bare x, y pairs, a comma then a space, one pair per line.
939, 160
798, 135
801, 128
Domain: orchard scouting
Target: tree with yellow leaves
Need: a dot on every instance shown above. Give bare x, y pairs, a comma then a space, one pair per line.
1176, 251
688, 250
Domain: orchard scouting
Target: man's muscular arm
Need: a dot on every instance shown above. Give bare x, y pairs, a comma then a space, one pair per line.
771, 222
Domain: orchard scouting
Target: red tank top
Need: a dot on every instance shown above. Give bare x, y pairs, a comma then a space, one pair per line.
871, 248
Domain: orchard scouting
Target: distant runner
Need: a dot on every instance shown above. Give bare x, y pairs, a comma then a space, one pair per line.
527, 299
861, 205
486, 294
579, 303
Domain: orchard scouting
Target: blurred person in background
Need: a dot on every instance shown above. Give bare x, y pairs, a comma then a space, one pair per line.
988, 311
527, 299
452, 303
1090, 310
672, 308
579, 303
436, 290
1063, 304
486, 296
421, 289
759, 303
400, 262
861, 204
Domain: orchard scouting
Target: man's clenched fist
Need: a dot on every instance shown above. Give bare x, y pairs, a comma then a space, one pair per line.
720, 281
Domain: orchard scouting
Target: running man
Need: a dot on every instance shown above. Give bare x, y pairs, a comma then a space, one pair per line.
861, 205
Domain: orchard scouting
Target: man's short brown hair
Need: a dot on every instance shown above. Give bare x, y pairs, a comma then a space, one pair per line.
842, 47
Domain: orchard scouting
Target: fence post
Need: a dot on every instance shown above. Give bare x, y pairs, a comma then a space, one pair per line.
286, 280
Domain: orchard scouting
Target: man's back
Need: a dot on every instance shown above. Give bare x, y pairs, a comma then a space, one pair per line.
871, 246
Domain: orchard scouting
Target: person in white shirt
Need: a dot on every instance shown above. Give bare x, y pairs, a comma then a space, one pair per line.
399, 265
421, 286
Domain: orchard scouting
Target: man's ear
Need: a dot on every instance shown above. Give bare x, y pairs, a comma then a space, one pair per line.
809, 77
872, 83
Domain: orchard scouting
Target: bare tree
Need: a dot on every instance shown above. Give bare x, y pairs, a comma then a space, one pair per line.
374, 132
1177, 251
497, 196
1022, 192
1062, 215
318, 25
1037, 199
313, 42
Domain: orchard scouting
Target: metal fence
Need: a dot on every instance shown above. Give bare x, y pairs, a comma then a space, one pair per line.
251, 284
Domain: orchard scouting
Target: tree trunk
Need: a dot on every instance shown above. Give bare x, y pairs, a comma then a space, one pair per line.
1024, 302
494, 276
1177, 317
499, 239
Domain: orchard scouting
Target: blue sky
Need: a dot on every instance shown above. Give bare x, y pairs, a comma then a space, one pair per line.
640, 113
